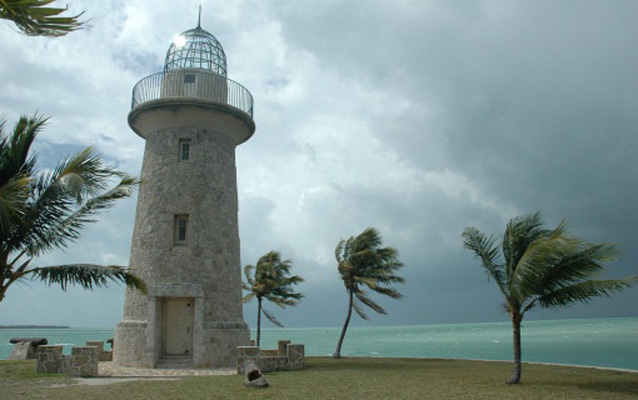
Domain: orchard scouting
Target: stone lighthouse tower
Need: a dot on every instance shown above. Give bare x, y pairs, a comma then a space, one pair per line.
186, 240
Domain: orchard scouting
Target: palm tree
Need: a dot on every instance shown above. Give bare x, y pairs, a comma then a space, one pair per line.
271, 281
363, 262
34, 18
542, 267
43, 211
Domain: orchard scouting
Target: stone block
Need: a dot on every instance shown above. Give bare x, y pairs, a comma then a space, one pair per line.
84, 361
282, 348
50, 360
268, 364
107, 356
296, 356
100, 345
247, 351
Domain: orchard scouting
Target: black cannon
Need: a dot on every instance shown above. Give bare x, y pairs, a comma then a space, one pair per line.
35, 341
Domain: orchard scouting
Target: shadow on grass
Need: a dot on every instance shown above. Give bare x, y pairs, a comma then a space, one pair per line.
620, 387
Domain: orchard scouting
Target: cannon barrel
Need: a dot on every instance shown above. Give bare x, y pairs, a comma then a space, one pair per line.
35, 342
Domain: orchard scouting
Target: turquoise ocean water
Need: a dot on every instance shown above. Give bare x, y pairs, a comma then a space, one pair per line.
608, 342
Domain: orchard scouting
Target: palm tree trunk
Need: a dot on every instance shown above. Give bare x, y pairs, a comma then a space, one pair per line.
258, 319
3, 290
337, 353
516, 372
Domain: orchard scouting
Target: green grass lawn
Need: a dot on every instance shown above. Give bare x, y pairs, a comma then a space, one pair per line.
355, 378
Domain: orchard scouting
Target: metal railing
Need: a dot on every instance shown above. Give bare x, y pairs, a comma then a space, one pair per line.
194, 84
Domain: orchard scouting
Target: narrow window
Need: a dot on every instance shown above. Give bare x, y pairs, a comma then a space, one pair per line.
184, 149
181, 229
189, 78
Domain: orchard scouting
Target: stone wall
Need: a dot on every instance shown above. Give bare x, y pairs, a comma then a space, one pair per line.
104, 355
83, 360
287, 357
50, 360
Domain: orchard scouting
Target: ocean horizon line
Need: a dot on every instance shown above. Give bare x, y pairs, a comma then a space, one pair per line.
355, 325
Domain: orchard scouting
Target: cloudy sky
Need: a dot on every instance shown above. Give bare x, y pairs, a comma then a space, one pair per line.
419, 118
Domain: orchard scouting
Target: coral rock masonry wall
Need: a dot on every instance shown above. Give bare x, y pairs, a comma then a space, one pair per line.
50, 360
83, 360
287, 357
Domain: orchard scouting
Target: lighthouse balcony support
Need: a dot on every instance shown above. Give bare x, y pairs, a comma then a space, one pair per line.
192, 83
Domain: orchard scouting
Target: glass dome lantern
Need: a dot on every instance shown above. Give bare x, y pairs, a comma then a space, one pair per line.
198, 49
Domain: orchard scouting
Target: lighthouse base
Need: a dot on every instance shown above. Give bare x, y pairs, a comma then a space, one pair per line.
136, 345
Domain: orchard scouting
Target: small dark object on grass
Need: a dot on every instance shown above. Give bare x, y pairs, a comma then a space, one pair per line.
253, 376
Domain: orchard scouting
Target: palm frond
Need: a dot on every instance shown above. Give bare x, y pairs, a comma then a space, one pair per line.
13, 198
357, 306
363, 298
390, 292
248, 275
14, 150
56, 217
584, 261
339, 250
272, 318
537, 260
520, 232
585, 291
34, 18
485, 249
248, 297
88, 276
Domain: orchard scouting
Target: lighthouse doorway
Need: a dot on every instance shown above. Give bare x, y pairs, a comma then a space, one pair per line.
177, 326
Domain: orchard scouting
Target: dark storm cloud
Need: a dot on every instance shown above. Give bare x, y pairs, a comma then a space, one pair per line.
533, 102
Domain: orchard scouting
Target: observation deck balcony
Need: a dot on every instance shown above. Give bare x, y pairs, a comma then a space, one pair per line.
196, 84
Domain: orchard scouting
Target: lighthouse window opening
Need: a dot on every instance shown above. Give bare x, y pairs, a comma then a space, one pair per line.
189, 78
181, 229
184, 149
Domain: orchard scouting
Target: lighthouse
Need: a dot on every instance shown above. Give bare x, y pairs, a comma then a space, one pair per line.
185, 243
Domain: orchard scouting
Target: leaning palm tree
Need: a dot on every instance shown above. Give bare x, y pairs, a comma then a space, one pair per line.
43, 211
35, 18
271, 281
544, 267
362, 262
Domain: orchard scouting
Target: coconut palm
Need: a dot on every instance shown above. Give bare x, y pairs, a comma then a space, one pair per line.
35, 18
271, 281
541, 267
362, 262
43, 211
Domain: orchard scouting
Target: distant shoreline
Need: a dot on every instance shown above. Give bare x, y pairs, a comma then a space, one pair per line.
34, 327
